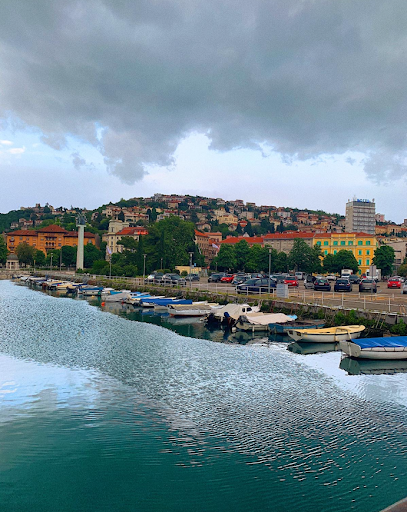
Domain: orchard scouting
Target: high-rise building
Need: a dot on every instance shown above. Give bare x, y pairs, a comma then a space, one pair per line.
360, 216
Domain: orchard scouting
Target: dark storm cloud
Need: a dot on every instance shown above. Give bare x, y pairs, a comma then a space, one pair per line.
303, 77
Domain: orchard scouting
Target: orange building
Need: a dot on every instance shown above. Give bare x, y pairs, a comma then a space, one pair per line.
45, 239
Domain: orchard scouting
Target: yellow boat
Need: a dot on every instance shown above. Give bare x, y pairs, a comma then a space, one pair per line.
328, 335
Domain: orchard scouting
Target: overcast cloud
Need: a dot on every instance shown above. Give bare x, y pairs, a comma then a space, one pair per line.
133, 78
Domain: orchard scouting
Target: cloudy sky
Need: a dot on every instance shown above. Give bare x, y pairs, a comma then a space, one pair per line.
298, 103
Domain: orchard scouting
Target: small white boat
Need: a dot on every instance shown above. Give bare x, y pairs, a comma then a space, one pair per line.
328, 335
260, 321
194, 309
233, 311
394, 347
119, 296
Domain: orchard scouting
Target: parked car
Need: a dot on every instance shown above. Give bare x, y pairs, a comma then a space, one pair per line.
150, 279
256, 285
354, 279
404, 289
331, 277
240, 278
216, 277
309, 281
291, 281
192, 277
322, 283
394, 282
228, 278
342, 285
368, 285
300, 276
173, 280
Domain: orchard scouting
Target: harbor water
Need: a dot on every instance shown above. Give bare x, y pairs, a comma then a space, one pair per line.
104, 410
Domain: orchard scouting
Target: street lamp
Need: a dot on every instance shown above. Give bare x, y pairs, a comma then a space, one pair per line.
144, 268
190, 269
269, 269
161, 264
50, 265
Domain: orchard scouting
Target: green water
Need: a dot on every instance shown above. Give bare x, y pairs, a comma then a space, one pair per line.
100, 412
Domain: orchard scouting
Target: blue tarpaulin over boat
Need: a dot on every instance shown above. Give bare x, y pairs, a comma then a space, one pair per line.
392, 342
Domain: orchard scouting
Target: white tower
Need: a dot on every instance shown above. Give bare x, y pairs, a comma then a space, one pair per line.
80, 223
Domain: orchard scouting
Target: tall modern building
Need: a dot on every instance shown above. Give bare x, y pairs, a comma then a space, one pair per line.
360, 216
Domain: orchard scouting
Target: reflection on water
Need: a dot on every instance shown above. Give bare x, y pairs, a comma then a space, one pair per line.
102, 413
312, 348
372, 367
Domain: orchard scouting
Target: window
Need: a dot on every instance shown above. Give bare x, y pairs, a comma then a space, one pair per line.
325, 252
335, 252
367, 262
350, 242
318, 243
343, 242
359, 253
336, 242
368, 252
326, 243
367, 242
360, 262
360, 242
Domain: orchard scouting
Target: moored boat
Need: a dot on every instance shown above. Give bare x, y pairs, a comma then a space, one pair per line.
394, 347
194, 309
327, 335
281, 328
260, 321
373, 366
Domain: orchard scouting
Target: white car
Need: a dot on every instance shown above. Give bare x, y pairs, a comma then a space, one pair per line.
331, 277
404, 287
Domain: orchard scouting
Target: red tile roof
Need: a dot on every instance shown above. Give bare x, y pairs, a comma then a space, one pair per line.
289, 235
53, 228
249, 239
23, 232
132, 231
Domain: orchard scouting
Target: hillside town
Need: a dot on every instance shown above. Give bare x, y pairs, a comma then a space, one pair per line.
216, 222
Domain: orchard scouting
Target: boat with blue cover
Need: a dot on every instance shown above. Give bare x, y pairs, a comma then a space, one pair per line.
394, 347
162, 301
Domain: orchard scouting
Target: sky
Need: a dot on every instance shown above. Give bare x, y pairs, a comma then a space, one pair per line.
298, 103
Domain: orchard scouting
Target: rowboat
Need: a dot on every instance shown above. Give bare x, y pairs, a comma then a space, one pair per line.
376, 348
328, 335
281, 328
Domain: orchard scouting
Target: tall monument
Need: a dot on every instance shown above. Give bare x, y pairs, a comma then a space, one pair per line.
80, 223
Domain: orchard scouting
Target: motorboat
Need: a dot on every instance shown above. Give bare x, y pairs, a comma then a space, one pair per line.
117, 296
231, 312
281, 328
261, 321
162, 301
394, 347
194, 309
89, 290
327, 335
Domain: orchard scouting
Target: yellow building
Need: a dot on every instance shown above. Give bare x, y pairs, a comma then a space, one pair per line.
362, 246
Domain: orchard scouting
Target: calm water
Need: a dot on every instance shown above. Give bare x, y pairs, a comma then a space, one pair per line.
100, 412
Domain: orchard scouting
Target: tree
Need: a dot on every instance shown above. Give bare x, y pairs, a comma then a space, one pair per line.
384, 259
91, 254
299, 257
242, 251
25, 253
3, 251
329, 264
68, 255
121, 216
346, 259
39, 258
281, 263
226, 258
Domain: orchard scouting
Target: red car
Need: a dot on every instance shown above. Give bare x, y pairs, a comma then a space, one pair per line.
227, 279
291, 281
394, 282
